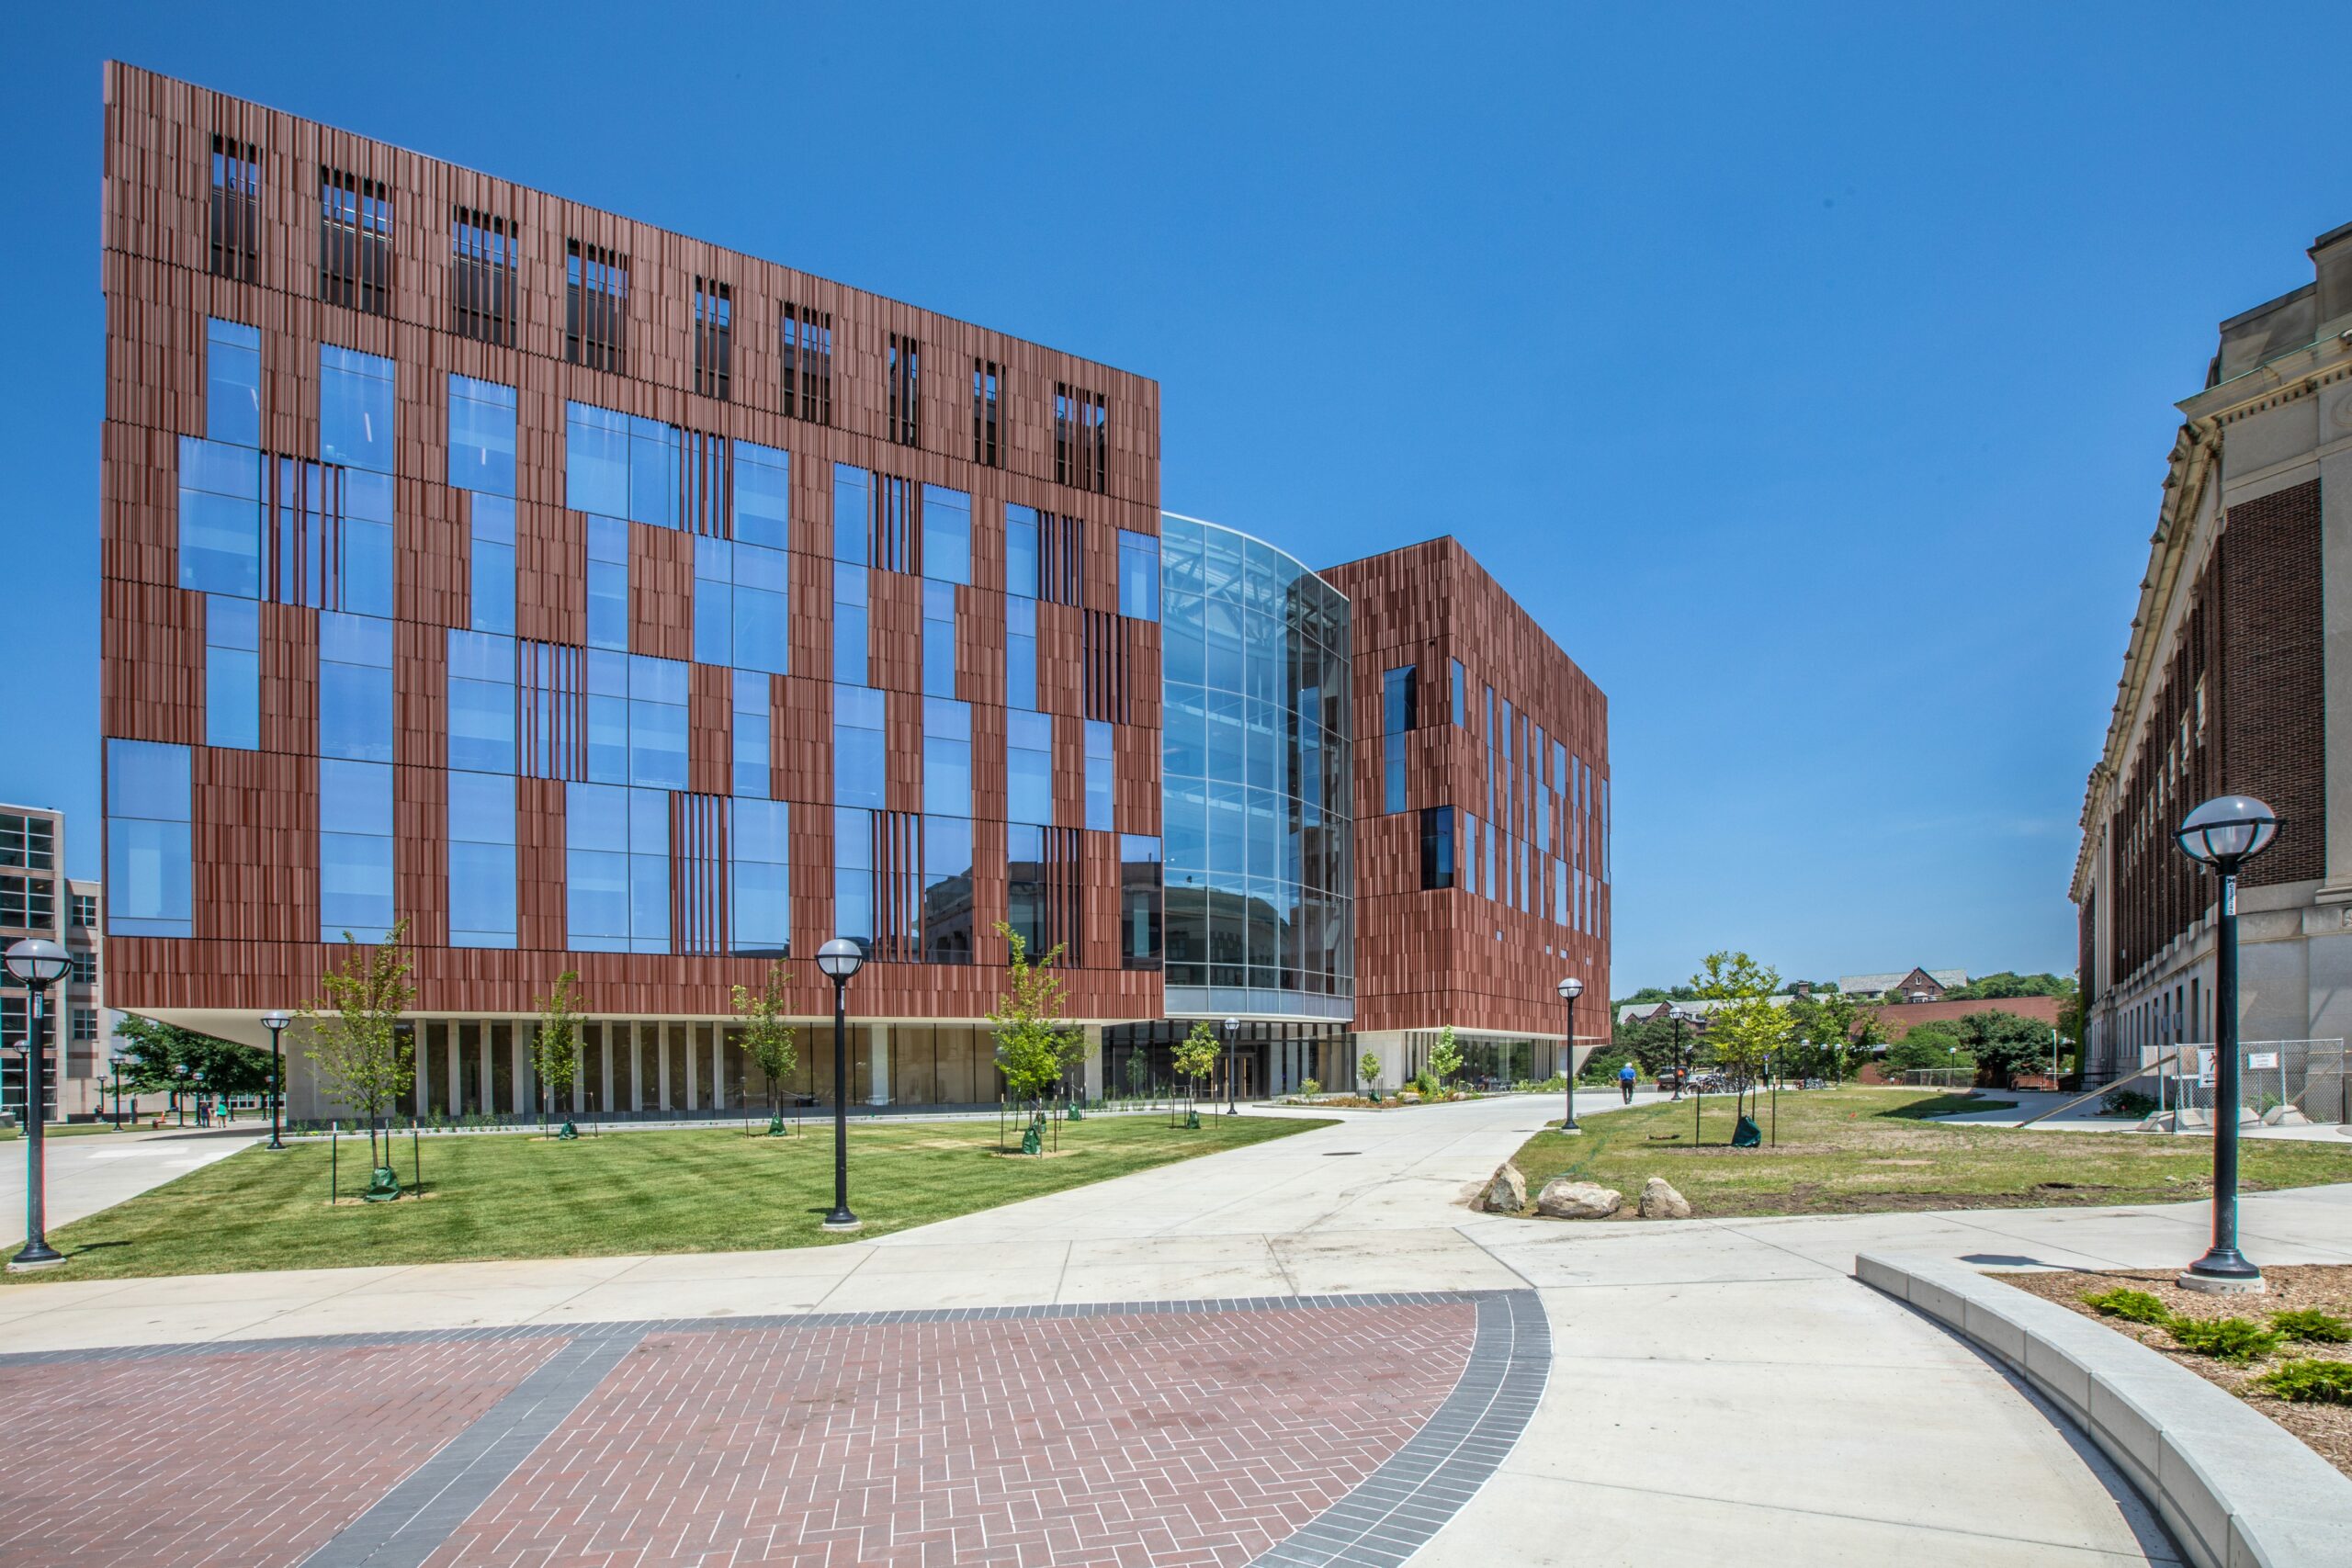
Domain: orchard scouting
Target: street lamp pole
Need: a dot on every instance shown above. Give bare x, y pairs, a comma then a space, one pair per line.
1232, 1032
1570, 989
35, 963
275, 1024
2222, 835
839, 959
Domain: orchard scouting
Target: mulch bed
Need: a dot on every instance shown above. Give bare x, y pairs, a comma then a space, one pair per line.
2326, 1429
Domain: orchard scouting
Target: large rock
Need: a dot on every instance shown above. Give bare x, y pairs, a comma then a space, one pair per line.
1506, 1190
1661, 1201
1566, 1200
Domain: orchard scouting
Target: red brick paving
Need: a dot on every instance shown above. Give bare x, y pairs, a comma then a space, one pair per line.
241, 1460
1177, 1440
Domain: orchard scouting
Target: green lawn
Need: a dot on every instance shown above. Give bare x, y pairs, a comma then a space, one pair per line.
62, 1130
1858, 1150
516, 1195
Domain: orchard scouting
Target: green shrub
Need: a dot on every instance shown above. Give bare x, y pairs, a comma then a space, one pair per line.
2127, 1102
2308, 1380
1310, 1087
2233, 1339
2310, 1323
2135, 1307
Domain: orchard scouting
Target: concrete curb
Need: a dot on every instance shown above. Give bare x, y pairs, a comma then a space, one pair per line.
2234, 1489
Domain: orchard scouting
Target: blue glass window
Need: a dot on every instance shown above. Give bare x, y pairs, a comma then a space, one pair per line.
854, 875
763, 496
653, 472
607, 716
946, 890
1020, 551
354, 687
492, 522
760, 922
149, 880
595, 461
753, 714
364, 571
849, 587
853, 514
1139, 901
1100, 783
482, 859
231, 672
1397, 718
1139, 575
946, 535
1020, 652
861, 756
608, 583
220, 496
231, 383
1029, 768
714, 602
356, 397
481, 702
762, 598
355, 850
1460, 712
947, 757
616, 868
657, 722
481, 435
939, 640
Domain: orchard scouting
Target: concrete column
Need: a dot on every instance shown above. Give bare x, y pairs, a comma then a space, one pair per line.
527, 1078
719, 1067
877, 1063
424, 1070
661, 1064
694, 1077
578, 1070
636, 1066
1090, 1067
2335, 639
604, 1057
457, 1081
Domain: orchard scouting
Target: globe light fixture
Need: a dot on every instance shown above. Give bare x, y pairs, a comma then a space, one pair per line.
35, 963
2222, 835
1570, 989
275, 1024
839, 959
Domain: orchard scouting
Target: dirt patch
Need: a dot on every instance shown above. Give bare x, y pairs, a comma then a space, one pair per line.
2326, 1429
1016, 1153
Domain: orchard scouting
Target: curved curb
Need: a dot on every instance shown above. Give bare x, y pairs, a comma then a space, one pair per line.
2232, 1487
1393, 1512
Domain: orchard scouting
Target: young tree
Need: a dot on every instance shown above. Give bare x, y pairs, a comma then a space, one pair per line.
1196, 1054
1036, 1046
361, 1056
1368, 1074
767, 1038
1743, 1029
1446, 1056
555, 1049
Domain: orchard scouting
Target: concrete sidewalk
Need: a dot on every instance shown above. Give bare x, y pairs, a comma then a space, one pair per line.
97, 1170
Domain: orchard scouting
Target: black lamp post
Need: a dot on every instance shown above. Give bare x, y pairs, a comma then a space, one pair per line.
179, 1094
35, 963
2222, 835
1570, 989
1232, 1031
839, 959
1679, 1017
275, 1024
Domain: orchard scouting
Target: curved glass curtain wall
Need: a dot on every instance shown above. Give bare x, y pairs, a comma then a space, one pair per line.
1258, 905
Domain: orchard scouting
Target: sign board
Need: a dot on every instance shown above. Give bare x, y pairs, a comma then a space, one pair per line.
2262, 1058
2206, 1055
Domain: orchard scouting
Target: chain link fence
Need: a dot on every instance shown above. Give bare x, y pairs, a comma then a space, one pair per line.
2279, 1081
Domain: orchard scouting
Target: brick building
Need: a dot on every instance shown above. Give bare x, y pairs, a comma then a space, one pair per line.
2228, 687
594, 598
38, 899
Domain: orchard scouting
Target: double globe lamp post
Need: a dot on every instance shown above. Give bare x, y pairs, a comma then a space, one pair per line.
35, 963
2223, 835
839, 959
1570, 989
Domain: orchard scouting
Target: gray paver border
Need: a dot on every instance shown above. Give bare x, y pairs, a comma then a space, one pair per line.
2232, 1486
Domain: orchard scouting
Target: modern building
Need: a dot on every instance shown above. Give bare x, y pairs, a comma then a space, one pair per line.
2236, 681
37, 900
576, 595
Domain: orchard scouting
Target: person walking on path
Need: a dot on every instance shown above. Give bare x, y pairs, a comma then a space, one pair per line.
1625, 1080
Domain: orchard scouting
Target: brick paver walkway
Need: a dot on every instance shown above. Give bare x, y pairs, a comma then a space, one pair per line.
1120, 1436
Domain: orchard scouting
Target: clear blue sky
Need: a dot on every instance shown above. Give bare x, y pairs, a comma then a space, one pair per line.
1808, 373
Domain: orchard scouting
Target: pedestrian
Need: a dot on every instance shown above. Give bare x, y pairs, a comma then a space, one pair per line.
203, 1111
1625, 1079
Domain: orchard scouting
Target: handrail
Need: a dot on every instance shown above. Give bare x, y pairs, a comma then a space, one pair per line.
2104, 1088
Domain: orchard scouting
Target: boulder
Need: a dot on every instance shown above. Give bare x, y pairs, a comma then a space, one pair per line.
1661, 1201
1566, 1200
1506, 1192
1408, 1098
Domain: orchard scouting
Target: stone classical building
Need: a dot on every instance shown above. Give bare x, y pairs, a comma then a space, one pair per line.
2237, 680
